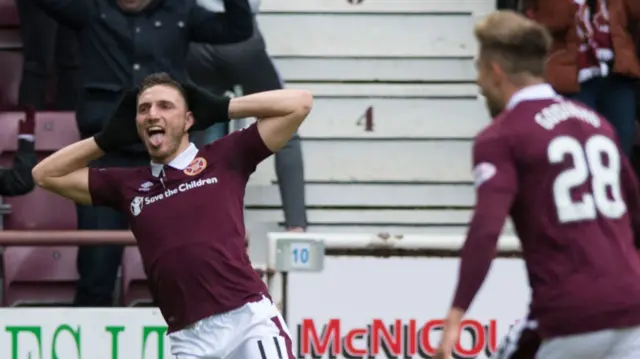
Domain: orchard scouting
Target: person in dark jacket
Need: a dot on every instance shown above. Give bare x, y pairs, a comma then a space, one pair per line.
44, 42
17, 179
123, 41
247, 66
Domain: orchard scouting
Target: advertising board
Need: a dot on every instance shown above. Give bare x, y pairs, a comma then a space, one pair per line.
67, 333
365, 307
357, 307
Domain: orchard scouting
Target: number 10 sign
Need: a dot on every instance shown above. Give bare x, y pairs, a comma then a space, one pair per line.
299, 255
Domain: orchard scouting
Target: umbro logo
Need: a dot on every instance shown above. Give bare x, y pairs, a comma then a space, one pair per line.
145, 187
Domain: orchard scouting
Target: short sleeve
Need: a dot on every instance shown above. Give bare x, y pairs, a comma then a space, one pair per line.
105, 188
246, 149
494, 167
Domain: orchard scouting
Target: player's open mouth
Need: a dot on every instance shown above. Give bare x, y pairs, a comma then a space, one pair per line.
156, 135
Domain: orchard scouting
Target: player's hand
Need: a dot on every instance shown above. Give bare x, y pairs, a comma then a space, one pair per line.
450, 335
121, 131
207, 108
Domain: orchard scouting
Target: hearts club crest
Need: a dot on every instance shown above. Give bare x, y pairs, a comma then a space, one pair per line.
196, 166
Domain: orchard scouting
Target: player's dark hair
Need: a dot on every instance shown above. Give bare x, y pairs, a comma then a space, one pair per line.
519, 45
161, 78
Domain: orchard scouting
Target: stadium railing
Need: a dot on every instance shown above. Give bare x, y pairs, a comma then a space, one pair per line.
64, 238
79, 237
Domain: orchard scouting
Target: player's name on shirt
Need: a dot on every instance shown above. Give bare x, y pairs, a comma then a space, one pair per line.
183, 187
556, 113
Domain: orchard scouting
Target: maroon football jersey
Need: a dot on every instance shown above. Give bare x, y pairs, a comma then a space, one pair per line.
555, 167
187, 218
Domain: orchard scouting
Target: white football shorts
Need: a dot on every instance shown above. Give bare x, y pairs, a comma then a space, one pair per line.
603, 344
254, 331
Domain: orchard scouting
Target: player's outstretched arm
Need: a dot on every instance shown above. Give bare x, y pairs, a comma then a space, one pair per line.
279, 113
496, 185
65, 172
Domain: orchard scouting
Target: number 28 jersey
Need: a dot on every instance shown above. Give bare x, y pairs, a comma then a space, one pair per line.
575, 203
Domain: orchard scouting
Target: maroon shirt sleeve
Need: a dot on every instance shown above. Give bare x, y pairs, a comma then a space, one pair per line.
631, 190
104, 187
247, 149
496, 186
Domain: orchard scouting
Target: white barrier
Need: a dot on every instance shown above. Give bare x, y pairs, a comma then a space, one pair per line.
347, 241
366, 304
358, 307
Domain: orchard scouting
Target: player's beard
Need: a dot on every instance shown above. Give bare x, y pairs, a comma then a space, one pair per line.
494, 107
169, 147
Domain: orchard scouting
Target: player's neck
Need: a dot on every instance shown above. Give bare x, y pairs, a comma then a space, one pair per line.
183, 147
511, 89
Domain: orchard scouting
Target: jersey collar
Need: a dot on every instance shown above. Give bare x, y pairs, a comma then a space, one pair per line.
533, 92
180, 162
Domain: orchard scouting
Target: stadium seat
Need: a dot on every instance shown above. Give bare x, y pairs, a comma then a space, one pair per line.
39, 275
55, 130
135, 290
11, 67
10, 39
9, 121
38, 210
9, 32
8, 14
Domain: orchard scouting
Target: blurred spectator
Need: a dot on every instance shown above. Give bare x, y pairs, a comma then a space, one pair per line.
593, 58
45, 41
247, 65
507, 4
17, 180
123, 41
